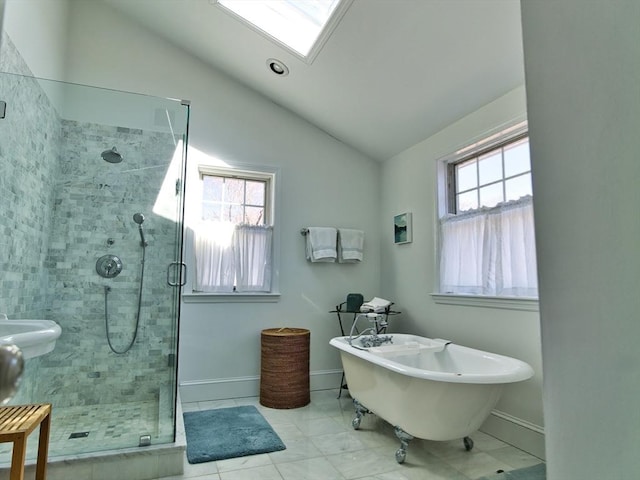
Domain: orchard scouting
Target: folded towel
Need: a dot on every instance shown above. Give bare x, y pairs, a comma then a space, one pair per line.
376, 304
350, 245
322, 244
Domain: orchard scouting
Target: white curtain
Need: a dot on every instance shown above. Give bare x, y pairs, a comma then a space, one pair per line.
215, 269
490, 251
232, 257
252, 246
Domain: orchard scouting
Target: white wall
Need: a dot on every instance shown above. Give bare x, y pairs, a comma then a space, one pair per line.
409, 271
583, 79
323, 182
39, 29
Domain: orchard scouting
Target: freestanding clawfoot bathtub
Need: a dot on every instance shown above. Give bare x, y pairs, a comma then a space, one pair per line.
426, 388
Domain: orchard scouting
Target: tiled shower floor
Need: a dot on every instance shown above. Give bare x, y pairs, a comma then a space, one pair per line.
110, 427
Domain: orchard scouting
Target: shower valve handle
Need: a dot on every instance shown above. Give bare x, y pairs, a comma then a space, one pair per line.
108, 266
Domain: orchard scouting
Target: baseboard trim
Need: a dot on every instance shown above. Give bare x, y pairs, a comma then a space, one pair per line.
238, 387
518, 421
515, 431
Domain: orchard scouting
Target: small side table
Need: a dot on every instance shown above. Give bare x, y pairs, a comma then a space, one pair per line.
16, 423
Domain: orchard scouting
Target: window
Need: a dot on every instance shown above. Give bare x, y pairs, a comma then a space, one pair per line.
235, 200
498, 175
299, 25
234, 234
487, 244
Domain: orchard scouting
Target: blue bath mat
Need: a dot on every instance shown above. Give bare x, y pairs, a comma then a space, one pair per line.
228, 433
535, 472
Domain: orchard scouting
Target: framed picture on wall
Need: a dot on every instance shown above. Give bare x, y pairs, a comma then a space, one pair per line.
402, 228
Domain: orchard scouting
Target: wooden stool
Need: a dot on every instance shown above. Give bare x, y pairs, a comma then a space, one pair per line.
16, 423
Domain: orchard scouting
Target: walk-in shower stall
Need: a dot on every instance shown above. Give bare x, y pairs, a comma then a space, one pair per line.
92, 187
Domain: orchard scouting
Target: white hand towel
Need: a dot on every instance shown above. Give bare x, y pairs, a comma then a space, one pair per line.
322, 244
376, 304
350, 245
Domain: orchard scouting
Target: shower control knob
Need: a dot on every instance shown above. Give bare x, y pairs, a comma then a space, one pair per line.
108, 266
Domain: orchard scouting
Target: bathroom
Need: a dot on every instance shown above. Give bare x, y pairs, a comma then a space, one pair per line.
228, 123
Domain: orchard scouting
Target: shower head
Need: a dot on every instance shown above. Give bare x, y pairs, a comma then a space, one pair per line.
111, 156
138, 218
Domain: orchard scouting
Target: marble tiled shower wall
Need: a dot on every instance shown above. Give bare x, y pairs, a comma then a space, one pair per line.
94, 204
29, 154
64, 207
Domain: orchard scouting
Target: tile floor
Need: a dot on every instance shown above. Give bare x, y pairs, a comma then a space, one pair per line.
104, 426
322, 445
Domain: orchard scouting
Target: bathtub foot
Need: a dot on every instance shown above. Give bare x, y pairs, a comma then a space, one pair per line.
361, 411
468, 443
405, 438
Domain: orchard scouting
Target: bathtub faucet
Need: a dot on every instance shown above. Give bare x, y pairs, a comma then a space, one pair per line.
373, 339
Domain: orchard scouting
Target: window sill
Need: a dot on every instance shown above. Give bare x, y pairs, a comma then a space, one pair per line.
528, 304
230, 297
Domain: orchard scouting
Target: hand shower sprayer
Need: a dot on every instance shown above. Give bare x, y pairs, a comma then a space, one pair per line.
139, 218
109, 265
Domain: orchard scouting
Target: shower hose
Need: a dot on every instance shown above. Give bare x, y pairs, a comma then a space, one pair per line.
106, 310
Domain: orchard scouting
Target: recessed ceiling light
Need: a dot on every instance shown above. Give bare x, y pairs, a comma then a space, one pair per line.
277, 67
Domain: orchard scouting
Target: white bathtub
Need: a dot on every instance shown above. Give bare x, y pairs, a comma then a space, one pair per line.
426, 388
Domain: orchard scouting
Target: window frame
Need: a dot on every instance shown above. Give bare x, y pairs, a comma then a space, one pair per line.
204, 170
483, 143
272, 204
446, 205
323, 35
452, 193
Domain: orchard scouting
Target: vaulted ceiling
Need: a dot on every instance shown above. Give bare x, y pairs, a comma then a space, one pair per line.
392, 73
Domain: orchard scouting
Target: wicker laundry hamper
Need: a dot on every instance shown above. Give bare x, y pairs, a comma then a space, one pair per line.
284, 368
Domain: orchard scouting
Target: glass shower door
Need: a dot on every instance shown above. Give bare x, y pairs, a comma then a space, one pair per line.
92, 215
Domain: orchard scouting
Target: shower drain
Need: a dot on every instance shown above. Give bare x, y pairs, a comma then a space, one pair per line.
79, 435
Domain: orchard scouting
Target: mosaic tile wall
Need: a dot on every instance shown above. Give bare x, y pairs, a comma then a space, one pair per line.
93, 215
29, 154
63, 207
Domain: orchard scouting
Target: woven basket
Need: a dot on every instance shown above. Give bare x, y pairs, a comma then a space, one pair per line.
284, 368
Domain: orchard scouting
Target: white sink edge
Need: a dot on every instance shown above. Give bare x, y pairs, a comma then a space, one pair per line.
33, 337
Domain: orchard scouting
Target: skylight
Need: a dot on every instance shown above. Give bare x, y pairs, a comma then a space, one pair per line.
298, 24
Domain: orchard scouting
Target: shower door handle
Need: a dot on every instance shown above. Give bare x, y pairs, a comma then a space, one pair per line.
182, 269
